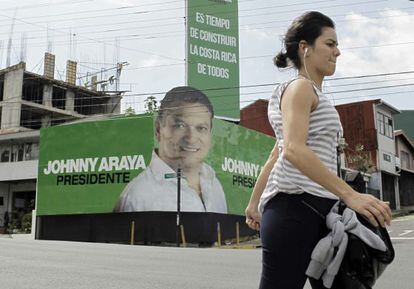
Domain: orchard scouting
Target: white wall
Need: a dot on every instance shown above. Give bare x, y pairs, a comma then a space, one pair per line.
386, 145
13, 171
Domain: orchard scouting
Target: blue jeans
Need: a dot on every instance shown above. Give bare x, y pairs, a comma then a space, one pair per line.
290, 230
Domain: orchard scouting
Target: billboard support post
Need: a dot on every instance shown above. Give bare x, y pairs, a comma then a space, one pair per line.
218, 235
132, 233
183, 236
178, 206
237, 233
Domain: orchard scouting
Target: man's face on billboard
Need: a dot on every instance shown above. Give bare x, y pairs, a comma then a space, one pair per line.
184, 135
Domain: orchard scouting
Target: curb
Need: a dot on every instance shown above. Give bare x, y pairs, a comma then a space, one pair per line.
403, 213
249, 246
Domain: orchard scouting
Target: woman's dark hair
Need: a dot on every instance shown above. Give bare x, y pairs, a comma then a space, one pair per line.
306, 27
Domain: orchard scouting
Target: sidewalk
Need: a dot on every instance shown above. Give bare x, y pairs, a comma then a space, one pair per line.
17, 236
401, 213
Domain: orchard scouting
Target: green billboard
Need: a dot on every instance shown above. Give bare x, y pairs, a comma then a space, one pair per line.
213, 53
102, 166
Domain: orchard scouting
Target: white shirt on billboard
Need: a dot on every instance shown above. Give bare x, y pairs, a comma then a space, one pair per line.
152, 191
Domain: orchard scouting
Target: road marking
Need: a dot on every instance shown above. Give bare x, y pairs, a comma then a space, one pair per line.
402, 238
389, 231
406, 232
405, 218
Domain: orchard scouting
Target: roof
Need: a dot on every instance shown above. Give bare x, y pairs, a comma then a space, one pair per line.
388, 106
266, 101
378, 102
401, 134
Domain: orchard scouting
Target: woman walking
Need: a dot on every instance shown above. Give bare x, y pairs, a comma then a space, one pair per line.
298, 183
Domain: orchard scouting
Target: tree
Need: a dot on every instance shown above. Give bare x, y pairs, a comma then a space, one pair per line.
360, 159
129, 111
151, 104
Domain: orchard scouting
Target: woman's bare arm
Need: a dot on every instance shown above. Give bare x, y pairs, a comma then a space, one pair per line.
252, 214
297, 102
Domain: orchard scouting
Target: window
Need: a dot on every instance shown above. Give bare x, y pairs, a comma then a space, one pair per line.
385, 126
16, 153
387, 157
19, 152
405, 160
380, 120
4, 153
388, 124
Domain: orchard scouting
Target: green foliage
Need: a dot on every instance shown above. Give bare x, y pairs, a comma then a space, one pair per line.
21, 222
151, 104
360, 159
27, 223
130, 111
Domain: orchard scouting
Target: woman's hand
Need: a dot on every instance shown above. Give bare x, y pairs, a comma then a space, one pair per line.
372, 208
253, 217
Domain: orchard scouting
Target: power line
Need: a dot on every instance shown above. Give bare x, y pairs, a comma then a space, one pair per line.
45, 4
373, 88
348, 84
261, 92
370, 75
182, 8
248, 26
169, 34
276, 83
108, 97
229, 17
92, 11
136, 50
175, 107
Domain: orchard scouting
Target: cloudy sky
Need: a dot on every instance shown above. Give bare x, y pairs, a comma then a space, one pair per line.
375, 38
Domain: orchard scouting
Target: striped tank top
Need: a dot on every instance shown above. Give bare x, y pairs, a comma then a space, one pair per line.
323, 134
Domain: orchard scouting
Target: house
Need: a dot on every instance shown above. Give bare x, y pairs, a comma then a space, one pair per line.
369, 133
254, 116
28, 102
370, 125
404, 148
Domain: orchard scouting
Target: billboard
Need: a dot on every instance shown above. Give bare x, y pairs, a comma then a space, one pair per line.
125, 164
213, 53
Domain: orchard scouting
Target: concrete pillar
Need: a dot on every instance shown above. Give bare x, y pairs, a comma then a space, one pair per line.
33, 229
12, 96
46, 121
380, 185
397, 193
113, 105
47, 95
49, 65
70, 100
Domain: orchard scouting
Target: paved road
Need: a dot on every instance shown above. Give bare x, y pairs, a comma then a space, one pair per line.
55, 265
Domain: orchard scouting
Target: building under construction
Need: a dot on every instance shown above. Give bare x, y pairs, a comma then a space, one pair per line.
28, 102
